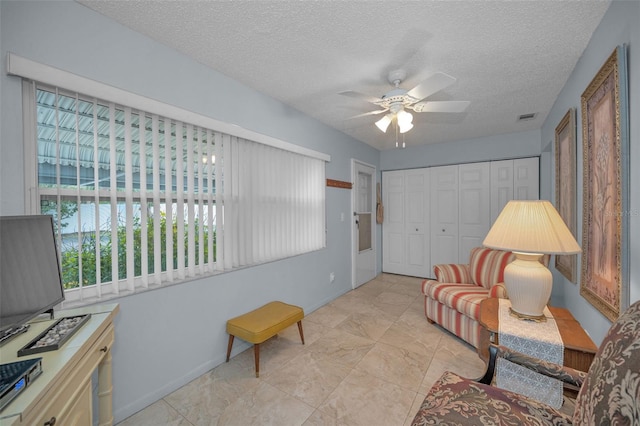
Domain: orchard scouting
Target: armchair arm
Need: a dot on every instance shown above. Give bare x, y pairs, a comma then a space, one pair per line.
567, 375
454, 273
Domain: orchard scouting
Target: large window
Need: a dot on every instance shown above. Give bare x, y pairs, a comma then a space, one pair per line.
141, 200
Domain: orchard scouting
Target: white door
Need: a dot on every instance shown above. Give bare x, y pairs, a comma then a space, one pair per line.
444, 215
405, 231
417, 259
517, 179
393, 228
501, 186
363, 204
475, 207
526, 178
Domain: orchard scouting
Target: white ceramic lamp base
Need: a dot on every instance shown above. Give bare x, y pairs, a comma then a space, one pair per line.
528, 283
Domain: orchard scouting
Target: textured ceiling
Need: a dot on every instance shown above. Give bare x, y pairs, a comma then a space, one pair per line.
509, 57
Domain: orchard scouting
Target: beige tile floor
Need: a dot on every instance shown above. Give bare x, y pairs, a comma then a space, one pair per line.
369, 359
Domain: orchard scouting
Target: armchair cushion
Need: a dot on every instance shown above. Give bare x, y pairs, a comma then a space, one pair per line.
454, 400
463, 298
487, 265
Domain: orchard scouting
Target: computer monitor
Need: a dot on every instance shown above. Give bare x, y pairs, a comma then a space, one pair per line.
30, 277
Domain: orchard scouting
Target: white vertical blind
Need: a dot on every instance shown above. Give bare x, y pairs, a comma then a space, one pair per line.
77, 181
113, 191
191, 217
155, 200
157, 224
179, 199
96, 201
128, 193
213, 175
144, 223
274, 207
201, 160
168, 189
227, 233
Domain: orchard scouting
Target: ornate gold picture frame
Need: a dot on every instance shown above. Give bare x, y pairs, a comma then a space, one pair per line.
565, 156
604, 280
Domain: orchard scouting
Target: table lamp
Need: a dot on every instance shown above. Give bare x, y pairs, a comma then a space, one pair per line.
530, 229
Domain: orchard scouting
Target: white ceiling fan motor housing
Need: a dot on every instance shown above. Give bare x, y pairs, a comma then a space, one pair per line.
396, 77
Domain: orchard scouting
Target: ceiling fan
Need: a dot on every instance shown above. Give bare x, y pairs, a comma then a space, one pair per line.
398, 100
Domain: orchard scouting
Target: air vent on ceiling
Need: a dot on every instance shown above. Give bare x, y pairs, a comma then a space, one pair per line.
527, 117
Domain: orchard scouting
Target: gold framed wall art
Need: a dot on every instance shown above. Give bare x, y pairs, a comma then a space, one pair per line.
565, 157
604, 279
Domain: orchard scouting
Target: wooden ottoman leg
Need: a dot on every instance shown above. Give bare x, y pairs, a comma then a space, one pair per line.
300, 330
229, 346
256, 354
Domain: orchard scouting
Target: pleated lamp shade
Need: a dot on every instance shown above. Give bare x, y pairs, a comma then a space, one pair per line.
531, 227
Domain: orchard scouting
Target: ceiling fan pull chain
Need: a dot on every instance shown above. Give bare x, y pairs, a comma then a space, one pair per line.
396, 125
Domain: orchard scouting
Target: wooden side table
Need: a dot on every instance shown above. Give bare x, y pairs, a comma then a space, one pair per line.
579, 349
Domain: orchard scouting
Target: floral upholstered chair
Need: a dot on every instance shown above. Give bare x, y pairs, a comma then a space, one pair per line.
609, 392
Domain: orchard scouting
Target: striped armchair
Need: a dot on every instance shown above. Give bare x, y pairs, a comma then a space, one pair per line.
453, 299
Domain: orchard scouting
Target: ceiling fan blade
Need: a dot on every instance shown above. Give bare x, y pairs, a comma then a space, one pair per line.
370, 113
431, 85
361, 96
441, 106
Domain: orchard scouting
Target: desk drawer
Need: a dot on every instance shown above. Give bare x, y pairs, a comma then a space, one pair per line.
78, 414
70, 392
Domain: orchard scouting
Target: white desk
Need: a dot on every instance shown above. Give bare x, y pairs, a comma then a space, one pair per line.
62, 394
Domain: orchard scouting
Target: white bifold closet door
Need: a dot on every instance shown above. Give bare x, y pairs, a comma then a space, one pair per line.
474, 210
460, 210
517, 179
444, 214
438, 214
405, 232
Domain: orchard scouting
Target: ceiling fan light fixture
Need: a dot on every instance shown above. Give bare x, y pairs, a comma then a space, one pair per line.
404, 117
404, 121
383, 123
405, 127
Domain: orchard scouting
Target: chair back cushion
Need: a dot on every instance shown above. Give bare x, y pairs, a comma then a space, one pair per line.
611, 392
487, 265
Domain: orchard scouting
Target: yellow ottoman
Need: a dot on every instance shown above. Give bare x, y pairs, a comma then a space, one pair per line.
263, 323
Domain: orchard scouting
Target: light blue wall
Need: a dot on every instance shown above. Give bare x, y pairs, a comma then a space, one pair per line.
166, 337
619, 25
497, 147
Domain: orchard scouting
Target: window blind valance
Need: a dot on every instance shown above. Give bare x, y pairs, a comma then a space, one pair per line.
46, 74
